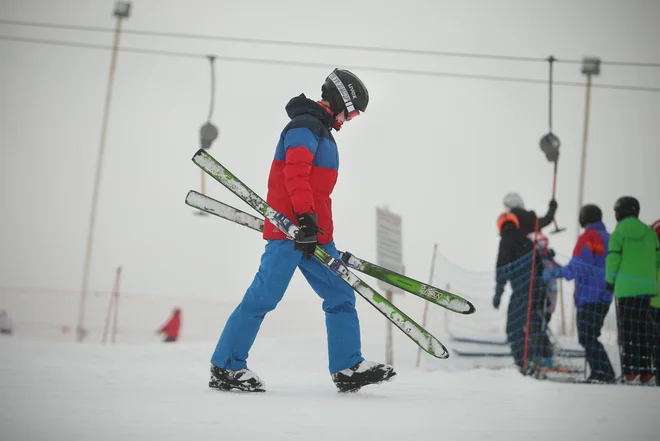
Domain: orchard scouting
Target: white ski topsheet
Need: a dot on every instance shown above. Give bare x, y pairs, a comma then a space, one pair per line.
201, 201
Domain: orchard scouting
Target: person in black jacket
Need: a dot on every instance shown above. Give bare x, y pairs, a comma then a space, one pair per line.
527, 219
514, 265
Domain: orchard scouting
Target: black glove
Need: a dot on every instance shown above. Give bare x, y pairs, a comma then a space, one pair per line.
553, 205
306, 238
496, 301
345, 257
609, 287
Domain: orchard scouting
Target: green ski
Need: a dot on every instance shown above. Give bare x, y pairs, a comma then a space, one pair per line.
425, 340
429, 293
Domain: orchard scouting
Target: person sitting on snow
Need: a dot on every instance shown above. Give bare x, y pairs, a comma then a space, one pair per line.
6, 325
172, 327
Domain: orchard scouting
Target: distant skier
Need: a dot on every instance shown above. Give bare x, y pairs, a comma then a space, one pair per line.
6, 325
171, 329
302, 177
513, 202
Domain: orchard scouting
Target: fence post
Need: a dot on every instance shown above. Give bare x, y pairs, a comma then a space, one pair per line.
389, 351
113, 309
561, 302
529, 301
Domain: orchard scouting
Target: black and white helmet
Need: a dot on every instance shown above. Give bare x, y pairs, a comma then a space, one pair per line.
345, 92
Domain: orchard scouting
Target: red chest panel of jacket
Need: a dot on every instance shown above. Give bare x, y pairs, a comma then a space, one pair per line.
304, 171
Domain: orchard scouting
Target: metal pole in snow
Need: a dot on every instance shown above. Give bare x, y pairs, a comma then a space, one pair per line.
590, 67
585, 136
116, 297
122, 11
389, 350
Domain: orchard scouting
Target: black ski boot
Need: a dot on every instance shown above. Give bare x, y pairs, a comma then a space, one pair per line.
362, 374
243, 380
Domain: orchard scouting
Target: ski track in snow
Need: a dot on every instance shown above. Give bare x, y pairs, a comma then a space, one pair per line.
69, 391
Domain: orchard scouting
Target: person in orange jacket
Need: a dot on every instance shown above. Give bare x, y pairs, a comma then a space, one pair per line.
172, 327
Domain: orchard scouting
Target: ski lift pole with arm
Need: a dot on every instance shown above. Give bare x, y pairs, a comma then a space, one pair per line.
550, 142
208, 132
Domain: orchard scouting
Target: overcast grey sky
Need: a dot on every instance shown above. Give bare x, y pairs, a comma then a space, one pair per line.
440, 151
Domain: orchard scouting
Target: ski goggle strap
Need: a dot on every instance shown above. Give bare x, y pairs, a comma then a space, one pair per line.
351, 111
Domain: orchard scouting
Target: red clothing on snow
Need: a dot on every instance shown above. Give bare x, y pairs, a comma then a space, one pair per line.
171, 328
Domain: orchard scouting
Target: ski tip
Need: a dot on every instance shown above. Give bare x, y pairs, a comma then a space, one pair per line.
437, 349
199, 152
189, 195
442, 356
472, 309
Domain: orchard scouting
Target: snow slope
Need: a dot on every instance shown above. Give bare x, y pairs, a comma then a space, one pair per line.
67, 391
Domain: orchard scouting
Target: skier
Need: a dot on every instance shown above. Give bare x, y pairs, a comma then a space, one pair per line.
632, 267
527, 219
6, 325
172, 327
592, 299
655, 315
302, 177
514, 266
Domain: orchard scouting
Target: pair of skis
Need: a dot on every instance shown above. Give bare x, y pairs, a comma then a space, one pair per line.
340, 267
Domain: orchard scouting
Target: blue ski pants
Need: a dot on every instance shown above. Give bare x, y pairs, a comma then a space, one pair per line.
278, 263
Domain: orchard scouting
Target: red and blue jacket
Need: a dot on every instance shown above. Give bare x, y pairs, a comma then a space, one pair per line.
304, 170
587, 266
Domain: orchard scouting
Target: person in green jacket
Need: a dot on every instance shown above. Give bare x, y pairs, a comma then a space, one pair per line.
632, 265
655, 315
655, 302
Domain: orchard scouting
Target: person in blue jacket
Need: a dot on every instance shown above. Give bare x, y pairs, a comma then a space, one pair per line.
592, 298
302, 178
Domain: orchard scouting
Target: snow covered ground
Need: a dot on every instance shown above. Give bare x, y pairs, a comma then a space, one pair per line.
67, 391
